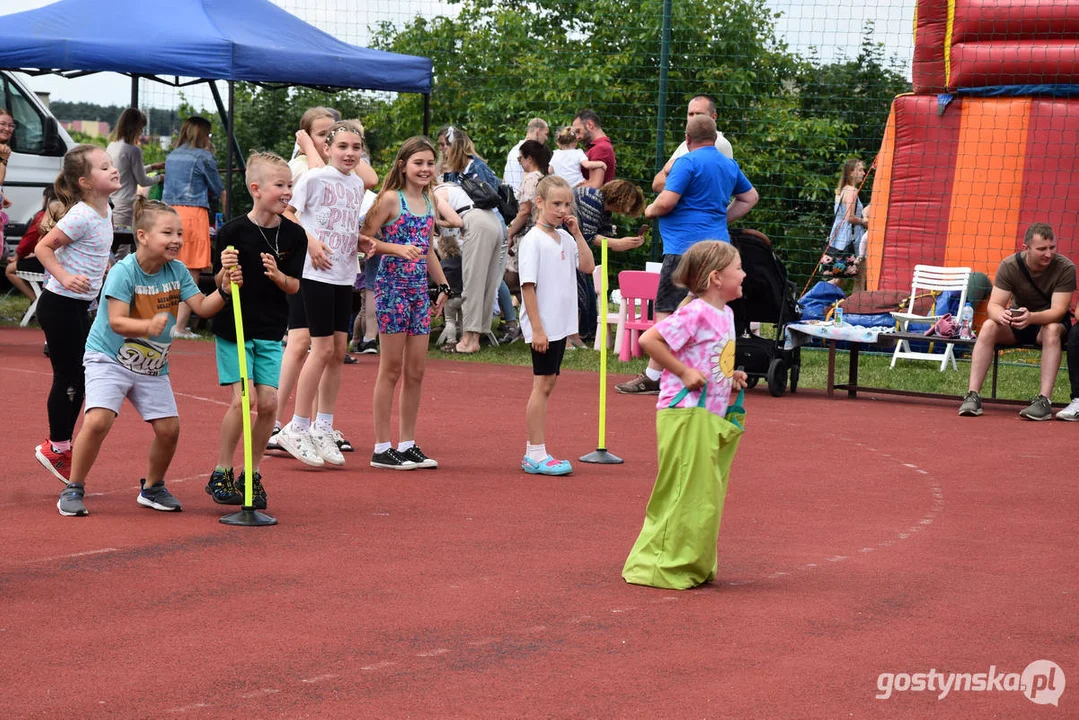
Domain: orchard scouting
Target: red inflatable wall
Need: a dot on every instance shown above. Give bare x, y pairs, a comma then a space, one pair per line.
981, 43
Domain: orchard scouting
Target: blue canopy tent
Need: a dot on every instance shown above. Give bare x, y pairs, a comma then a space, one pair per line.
203, 41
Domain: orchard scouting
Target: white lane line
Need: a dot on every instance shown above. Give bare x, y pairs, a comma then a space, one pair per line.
318, 679
199, 397
31, 372
259, 693
378, 666
171, 482
433, 653
86, 553
186, 708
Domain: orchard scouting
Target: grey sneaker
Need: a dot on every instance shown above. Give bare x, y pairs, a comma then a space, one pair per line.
70, 502
640, 385
1040, 409
972, 405
158, 497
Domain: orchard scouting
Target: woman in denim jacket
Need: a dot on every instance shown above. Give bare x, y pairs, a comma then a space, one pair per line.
459, 158
191, 182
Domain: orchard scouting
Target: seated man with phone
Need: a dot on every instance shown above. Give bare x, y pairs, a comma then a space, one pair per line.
1027, 306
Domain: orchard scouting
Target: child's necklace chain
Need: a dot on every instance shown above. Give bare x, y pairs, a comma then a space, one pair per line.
274, 246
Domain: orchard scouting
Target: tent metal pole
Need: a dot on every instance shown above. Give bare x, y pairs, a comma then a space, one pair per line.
427, 114
134, 91
227, 117
230, 132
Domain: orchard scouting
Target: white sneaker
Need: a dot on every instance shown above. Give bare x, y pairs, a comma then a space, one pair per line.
299, 445
1070, 413
326, 447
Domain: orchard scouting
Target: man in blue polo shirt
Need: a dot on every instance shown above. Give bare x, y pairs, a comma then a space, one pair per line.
692, 207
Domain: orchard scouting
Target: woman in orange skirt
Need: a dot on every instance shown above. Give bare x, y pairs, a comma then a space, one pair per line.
191, 183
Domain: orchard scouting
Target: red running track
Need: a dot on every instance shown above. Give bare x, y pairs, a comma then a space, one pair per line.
860, 537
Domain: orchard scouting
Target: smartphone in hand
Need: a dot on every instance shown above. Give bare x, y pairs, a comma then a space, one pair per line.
643, 232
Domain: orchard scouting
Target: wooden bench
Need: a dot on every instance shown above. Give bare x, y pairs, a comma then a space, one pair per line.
886, 339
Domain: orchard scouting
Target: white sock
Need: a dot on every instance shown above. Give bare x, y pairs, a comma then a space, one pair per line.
60, 447
405, 445
536, 452
276, 424
300, 424
653, 374
382, 447
324, 423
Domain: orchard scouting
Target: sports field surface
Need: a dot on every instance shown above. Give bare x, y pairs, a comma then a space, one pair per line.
860, 537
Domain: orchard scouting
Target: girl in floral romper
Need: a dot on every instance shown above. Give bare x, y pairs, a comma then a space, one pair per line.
404, 218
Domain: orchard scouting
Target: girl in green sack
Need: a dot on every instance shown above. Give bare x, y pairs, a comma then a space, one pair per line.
697, 428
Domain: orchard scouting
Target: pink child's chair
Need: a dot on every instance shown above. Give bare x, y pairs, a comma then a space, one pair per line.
638, 289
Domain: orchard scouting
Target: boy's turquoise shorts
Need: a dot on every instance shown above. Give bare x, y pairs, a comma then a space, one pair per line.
263, 361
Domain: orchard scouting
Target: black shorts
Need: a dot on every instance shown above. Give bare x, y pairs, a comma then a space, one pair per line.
669, 295
29, 264
297, 316
550, 362
327, 307
1029, 334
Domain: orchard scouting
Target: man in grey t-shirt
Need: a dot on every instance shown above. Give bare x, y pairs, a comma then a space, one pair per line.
1028, 305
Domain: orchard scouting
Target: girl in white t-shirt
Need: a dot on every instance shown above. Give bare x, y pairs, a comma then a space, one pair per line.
327, 202
313, 152
567, 160
75, 254
548, 260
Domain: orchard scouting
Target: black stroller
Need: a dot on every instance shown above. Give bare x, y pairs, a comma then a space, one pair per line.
768, 296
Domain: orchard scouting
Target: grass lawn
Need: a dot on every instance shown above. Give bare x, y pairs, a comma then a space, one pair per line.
1018, 379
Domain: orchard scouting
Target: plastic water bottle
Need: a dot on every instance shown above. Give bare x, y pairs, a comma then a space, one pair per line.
966, 322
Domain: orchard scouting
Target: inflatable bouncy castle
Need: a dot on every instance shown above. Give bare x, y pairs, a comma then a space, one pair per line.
987, 142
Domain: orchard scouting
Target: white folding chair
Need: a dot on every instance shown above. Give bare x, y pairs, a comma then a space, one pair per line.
934, 280
617, 319
34, 280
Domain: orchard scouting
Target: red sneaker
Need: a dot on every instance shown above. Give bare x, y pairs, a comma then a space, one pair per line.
57, 463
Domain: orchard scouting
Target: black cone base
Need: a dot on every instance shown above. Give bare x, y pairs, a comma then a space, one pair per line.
602, 457
250, 517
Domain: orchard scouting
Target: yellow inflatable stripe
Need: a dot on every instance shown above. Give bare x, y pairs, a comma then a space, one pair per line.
949, 26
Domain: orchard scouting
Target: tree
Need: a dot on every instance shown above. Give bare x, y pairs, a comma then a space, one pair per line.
499, 62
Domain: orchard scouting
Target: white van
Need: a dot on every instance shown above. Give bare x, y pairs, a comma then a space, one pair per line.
38, 149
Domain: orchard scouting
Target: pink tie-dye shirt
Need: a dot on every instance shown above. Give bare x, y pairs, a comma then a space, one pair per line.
702, 337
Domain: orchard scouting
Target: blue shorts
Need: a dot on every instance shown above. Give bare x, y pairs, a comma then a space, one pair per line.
263, 361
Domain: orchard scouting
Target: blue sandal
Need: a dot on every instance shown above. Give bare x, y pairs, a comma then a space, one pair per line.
547, 466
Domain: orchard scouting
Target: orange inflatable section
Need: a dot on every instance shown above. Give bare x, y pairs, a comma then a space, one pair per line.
960, 188
987, 189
